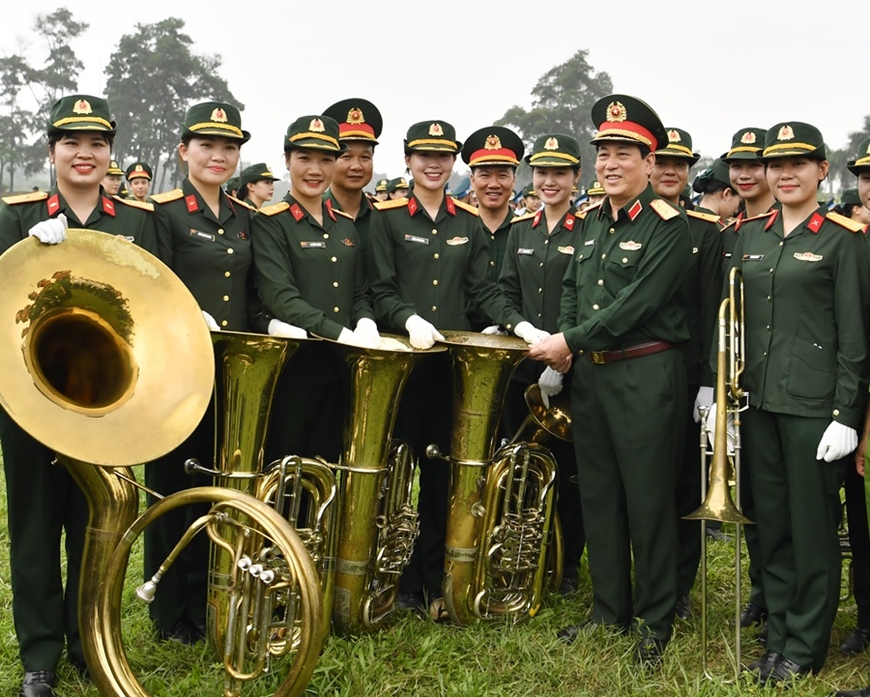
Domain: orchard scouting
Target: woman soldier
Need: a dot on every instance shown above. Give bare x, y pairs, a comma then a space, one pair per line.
256, 185
701, 287
309, 272
428, 260
806, 278
718, 197
539, 248
42, 499
205, 239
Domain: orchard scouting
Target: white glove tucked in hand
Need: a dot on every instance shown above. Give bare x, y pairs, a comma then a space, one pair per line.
289, 331
494, 330
837, 441
731, 437
423, 335
705, 398
51, 231
530, 334
209, 320
366, 333
550, 383
352, 339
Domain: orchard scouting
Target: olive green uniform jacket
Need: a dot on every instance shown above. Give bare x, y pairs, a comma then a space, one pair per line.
703, 286
362, 222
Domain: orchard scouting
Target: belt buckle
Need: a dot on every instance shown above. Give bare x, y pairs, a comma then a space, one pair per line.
597, 357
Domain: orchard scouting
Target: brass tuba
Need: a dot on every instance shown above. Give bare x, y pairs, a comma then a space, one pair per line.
501, 507
93, 381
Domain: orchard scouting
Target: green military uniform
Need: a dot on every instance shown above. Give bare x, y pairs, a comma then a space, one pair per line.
623, 315
397, 184
363, 221
806, 308
251, 175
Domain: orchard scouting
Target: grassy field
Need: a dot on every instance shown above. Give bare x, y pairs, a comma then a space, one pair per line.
413, 656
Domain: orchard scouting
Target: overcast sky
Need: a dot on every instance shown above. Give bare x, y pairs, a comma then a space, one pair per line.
710, 68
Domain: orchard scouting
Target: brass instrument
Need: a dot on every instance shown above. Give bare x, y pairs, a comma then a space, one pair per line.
97, 385
730, 401
501, 506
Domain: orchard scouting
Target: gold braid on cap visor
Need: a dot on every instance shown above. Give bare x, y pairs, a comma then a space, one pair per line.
365, 135
555, 156
219, 126
83, 120
493, 160
789, 146
678, 148
317, 136
628, 135
432, 141
743, 148
861, 162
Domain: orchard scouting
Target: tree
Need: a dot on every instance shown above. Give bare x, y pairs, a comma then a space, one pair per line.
153, 77
562, 100
839, 177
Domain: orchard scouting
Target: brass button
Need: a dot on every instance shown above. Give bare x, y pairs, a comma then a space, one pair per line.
768, 298
333, 259
224, 323
546, 241
771, 270
436, 255
540, 290
434, 308
326, 235
624, 260
492, 263
836, 412
226, 298
539, 314
611, 231
767, 327
434, 231
603, 256
600, 281
780, 244
335, 309
595, 307
227, 274
230, 251
435, 282
221, 231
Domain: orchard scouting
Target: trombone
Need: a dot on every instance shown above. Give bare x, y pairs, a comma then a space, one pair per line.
718, 504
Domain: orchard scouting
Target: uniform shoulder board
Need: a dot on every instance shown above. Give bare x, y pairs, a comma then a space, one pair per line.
709, 217
595, 206
168, 196
848, 223
346, 215
241, 203
25, 198
730, 225
580, 214
275, 208
388, 205
466, 207
760, 216
664, 209
136, 204
524, 216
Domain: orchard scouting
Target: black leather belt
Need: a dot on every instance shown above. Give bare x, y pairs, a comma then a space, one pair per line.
636, 351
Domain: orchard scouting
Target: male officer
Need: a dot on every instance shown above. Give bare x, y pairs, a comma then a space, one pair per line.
139, 175
113, 178
623, 318
256, 185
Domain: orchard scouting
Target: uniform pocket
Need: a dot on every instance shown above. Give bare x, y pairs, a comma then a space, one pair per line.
812, 371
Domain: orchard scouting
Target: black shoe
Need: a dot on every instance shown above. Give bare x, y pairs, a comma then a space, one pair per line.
38, 683
684, 607
761, 637
764, 666
752, 614
857, 641
197, 630
649, 652
180, 633
409, 601
853, 693
787, 672
568, 585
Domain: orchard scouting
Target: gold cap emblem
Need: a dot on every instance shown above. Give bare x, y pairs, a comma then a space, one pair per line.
551, 144
868, 148
139, 168
219, 115
436, 130
316, 126
492, 143
355, 117
82, 106
748, 138
616, 112
673, 136
113, 164
785, 133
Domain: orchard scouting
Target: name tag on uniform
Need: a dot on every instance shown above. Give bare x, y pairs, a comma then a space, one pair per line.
807, 256
525, 251
588, 243
414, 238
566, 250
694, 250
202, 235
753, 257
453, 242
312, 245
726, 255
630, 246
129, 238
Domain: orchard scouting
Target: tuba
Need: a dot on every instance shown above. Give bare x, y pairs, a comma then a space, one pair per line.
501, 508
84, 362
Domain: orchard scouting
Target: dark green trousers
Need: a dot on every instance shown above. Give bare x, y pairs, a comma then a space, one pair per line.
627, 423
43, 502
796, 512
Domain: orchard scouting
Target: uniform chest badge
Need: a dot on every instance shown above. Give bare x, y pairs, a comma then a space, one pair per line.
694, 250
347, 242
242, 235
416, 238
566, 250
630, 246
305, 244
525, 251
753, 257
455, 241
588, 243
202, 235
807, 256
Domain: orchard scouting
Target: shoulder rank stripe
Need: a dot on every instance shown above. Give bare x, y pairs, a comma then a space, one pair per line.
239, 201
275, 208
342, 213
664, 209
466, 207
24, 198
709, 217
843, 221
525, 216
395, 203
136, 204
168, 196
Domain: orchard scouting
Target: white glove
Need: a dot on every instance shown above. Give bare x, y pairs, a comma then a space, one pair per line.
279, 328
209, 320
530, 334
367, 332
51, 231
705, 398
494, 330
731, 437
423, 335
550, 383
837, 441
352, 339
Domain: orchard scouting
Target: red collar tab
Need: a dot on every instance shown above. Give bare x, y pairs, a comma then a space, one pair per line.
108, 206
635, 210
569, 221
738, 221
538, 216
451, 207
297, 212
815, 223
329, 210
53, 205
192, 205
772, 220
412, 206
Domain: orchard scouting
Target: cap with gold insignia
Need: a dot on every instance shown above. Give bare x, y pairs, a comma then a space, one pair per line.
315, 132
139, 170
791, 139
232, 184
256, 173
620, 117
115, 168
381, 185
493, 145
717, 172
595, 188
850, 197
862, 159
80, 112
528, 190
358, 120
214, 119
746, 144
679, 144
396, 184
554, 150
432, 136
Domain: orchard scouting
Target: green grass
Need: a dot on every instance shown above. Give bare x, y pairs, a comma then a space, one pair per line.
413, 656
